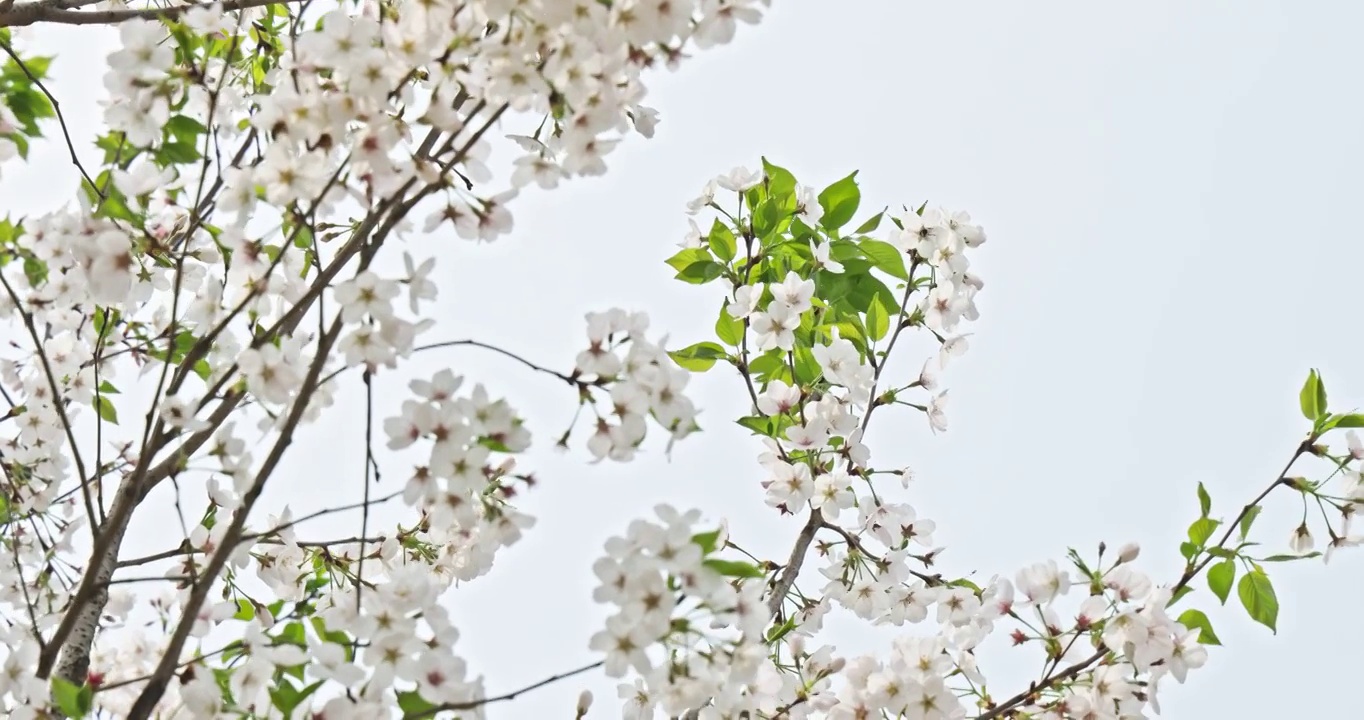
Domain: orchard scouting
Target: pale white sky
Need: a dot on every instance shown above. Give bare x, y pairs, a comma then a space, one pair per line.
1165, 188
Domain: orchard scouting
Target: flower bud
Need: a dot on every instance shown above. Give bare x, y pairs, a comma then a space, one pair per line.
1129, 552
722, 538
584, 703
1301, 543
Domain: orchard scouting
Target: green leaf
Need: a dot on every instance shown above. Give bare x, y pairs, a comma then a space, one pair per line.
886, 257
706, 541
302, 235
414, 705
74, 701
178, 153
302, 696
728, 328
1196, 620
20, 144
848, 330
1312, 397
699, 357
1249, 519
878, 319
964, 583
284, 696
294, 634
1291, 558
333, 636
36, 65
1220, 578
871, 224
35, 270
864, 288
840, 202
1201, 530
105, 407
767, 363
1179, 595
9, 232
759, 424
781, 630
702, 272
807, 367
1204, 501
185, 127
734, 568
1348, 420
781, 185
769, 219
687, 257
721, 241
245, 610
1257, 596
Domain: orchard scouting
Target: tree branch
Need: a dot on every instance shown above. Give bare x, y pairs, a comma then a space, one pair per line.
470, 705
796, 561
14, 15
156, 686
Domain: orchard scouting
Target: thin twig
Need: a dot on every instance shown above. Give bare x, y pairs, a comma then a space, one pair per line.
1189, 574
56, 109
571, 380
506, 696
364, 511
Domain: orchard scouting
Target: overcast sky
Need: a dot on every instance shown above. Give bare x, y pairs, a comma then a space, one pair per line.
1166, 189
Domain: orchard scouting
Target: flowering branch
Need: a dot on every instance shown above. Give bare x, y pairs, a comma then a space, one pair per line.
156, 685
221, 218
1073, 670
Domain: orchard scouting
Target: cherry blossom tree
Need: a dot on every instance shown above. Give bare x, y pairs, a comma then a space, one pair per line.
249, 244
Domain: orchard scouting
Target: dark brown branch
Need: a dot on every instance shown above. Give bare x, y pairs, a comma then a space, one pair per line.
146, 702
56, 109
43, 12
571, 380
795, 562
470, 705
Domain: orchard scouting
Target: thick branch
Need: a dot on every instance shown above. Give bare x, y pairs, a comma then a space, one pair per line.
796, 561
156, 687
44, 12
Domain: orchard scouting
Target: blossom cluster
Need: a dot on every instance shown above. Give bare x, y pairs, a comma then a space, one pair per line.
228, 265
463, 495
809, 322
671, 595
223, 268
642, 381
